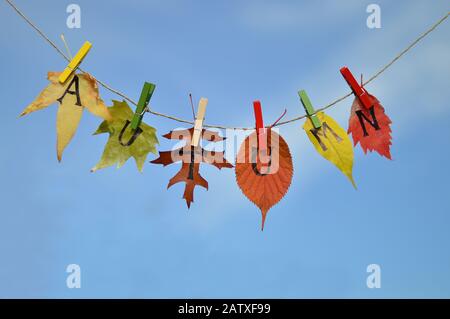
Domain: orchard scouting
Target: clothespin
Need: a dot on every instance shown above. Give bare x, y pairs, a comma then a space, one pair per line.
198, 126
309, 109
146, 94
261, 131
75, 62
357, 88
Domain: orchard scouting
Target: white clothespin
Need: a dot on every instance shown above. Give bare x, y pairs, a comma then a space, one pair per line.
198, 127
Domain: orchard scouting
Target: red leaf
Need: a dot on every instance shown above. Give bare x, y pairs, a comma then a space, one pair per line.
370, 127
266, 183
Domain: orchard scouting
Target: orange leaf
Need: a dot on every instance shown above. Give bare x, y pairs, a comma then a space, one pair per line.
264, 180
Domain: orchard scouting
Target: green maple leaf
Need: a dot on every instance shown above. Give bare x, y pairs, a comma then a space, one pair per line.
116, 153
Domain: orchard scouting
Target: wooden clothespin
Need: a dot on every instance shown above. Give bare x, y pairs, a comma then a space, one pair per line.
309, 109
144, 99
357, 88
261, 131
75, 62
198, 126
146, 94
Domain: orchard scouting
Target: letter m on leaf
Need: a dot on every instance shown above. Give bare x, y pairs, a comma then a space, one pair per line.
321, 132
332, 142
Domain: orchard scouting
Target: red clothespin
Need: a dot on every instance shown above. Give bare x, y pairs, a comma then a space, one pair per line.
357, 88
261, 131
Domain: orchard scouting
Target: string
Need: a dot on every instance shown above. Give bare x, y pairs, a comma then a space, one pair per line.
174, 118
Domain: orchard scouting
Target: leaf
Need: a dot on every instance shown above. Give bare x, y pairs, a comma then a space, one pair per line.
114, 152
371, 127
79, 91
333, 143
264, 180
191, 157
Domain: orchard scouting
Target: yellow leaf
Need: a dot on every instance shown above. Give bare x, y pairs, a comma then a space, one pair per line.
67, 120
78, 92
333, 143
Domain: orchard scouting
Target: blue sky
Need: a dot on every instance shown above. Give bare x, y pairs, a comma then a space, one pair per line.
134, 238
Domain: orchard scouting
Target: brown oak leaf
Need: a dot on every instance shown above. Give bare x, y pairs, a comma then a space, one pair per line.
191, 158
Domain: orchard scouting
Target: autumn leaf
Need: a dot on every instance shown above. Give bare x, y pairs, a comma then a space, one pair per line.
191, 157
333, 143
79, 91
370, 127
264, 180
114, 151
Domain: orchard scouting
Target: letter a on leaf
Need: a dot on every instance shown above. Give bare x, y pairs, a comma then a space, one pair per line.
191, 157
114, 151
333, 143
264, 179
371, 127
79, 91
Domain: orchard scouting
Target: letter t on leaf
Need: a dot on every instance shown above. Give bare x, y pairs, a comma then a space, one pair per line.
191, 157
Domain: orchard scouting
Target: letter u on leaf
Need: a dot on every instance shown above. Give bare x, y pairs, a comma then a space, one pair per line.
78, 92
115, 152
333, 143
264, 182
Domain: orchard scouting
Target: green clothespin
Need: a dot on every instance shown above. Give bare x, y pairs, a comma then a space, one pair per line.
146, 94
309, 109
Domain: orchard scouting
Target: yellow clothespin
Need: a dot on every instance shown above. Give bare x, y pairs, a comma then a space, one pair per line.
75, 62
198, 127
